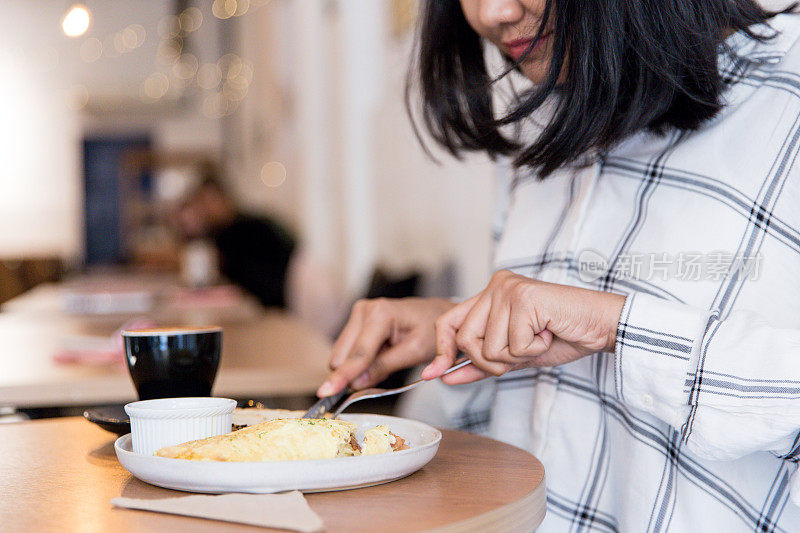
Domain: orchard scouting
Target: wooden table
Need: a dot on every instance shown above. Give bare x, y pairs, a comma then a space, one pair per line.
59, 475
265, 353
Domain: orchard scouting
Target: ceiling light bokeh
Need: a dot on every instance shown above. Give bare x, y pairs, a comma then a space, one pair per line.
77, 20
155, 86
91, 49
273, 174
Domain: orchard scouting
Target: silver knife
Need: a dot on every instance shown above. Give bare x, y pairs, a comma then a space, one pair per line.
324, 405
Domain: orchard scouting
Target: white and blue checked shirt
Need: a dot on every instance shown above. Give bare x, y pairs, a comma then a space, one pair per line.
693, 424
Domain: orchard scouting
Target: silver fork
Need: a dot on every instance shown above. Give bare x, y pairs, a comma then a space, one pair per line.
367, 394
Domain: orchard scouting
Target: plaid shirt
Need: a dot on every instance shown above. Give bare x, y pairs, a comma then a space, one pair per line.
692, 425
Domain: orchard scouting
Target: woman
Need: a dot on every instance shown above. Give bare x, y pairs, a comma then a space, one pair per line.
641, 334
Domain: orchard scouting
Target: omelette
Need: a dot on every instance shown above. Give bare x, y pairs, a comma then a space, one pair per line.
250, 416
380, 440
290, 439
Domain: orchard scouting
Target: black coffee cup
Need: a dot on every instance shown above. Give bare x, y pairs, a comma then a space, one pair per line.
173, 362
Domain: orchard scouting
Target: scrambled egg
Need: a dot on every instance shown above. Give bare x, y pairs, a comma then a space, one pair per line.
275, 440
288, 440
380, 440
250, 416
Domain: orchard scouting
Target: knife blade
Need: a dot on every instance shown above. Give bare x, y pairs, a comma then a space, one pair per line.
324, 405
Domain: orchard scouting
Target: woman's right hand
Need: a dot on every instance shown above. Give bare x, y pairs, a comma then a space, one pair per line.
383, 336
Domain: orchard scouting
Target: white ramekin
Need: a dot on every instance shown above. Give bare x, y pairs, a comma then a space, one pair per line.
171, 421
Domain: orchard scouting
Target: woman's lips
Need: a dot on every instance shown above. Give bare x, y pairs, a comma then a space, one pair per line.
517, 48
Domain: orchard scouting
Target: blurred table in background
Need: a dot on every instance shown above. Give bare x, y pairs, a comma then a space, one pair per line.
120, 295
265, 353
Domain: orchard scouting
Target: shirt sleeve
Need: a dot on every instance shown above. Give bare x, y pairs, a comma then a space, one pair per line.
731, 386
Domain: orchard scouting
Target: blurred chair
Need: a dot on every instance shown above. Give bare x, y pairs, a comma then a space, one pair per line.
20, 275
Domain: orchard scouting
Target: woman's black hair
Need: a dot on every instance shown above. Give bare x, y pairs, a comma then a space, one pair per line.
629, 65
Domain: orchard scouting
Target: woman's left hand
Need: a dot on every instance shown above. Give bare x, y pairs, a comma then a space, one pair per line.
517, 322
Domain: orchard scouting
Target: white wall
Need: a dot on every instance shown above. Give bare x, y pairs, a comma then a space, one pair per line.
39, 190
427, 212
266, 131
422, 213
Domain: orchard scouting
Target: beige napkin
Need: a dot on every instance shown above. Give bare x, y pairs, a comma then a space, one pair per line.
280, 511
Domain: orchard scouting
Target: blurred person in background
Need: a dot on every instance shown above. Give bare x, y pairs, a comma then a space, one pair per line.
259, 254
254, 251
661, 400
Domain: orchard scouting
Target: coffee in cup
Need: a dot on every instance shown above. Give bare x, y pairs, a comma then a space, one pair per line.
173, 362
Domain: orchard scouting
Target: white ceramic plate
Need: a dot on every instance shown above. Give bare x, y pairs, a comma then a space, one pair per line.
309, 476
